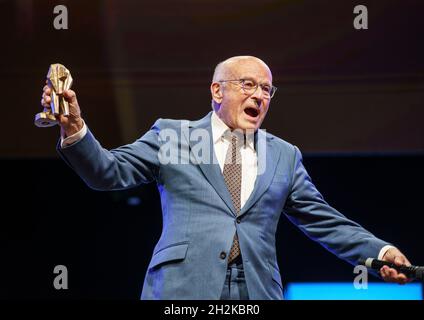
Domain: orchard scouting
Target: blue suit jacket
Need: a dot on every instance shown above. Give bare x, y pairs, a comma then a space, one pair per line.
199, 219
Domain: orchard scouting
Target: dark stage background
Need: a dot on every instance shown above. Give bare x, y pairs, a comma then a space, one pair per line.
106, 243
352, 100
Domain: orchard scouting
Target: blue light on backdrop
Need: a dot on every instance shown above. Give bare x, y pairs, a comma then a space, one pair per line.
346, 291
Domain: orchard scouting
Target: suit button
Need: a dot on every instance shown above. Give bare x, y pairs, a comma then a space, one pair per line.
238, 220
223, 255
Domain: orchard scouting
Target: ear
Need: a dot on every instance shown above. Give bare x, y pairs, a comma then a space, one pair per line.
216, 92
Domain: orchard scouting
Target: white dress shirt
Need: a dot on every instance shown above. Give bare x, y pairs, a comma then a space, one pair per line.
221, 142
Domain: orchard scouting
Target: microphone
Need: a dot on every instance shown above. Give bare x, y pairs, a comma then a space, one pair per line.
413, 272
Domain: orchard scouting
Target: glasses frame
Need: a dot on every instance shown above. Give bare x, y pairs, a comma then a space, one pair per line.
241, 82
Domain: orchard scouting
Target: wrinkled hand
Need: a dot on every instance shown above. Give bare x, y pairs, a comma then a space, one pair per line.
391, 275
71, 124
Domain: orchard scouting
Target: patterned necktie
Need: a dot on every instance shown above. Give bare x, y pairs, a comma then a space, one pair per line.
232, 177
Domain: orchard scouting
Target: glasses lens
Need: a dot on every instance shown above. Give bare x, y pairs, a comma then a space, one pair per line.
249, 85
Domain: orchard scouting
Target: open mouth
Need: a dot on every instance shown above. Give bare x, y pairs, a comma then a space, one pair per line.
253, 112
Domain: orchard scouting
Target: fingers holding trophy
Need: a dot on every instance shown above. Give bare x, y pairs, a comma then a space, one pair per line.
59, 80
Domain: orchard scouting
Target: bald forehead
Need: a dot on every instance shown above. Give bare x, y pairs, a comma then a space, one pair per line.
236, 66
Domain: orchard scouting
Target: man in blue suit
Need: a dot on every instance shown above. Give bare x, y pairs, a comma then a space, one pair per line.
223, 184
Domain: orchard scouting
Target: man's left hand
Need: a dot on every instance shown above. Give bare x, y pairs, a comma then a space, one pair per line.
392, 275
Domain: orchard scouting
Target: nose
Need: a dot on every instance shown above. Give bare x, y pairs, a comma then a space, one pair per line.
258, 95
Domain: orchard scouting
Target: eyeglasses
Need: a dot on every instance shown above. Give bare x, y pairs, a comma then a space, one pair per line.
250, 86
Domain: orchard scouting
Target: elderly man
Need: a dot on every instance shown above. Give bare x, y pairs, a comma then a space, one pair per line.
220, 215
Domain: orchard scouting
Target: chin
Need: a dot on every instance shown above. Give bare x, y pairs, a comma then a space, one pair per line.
248, 126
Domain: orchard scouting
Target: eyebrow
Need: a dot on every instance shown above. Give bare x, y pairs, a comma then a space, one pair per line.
250, 78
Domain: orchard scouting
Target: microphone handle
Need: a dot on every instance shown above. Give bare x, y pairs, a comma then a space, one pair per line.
411, 271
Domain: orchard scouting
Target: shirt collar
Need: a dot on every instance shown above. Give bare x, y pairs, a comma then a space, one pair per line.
220, 129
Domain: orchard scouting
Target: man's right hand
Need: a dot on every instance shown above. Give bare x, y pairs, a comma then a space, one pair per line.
69, 124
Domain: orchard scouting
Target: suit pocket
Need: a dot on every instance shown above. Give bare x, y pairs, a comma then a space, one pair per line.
171, 253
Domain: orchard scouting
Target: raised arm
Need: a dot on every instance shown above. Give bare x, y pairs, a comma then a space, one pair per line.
120, 168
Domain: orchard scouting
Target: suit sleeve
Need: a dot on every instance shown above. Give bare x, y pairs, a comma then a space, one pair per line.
308, 210
121, 168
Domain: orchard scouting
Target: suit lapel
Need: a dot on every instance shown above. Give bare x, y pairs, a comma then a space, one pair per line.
211, 169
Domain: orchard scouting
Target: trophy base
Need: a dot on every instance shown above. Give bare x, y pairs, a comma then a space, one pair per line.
45, 120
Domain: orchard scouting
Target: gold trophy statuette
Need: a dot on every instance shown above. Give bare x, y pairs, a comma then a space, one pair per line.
59, 79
